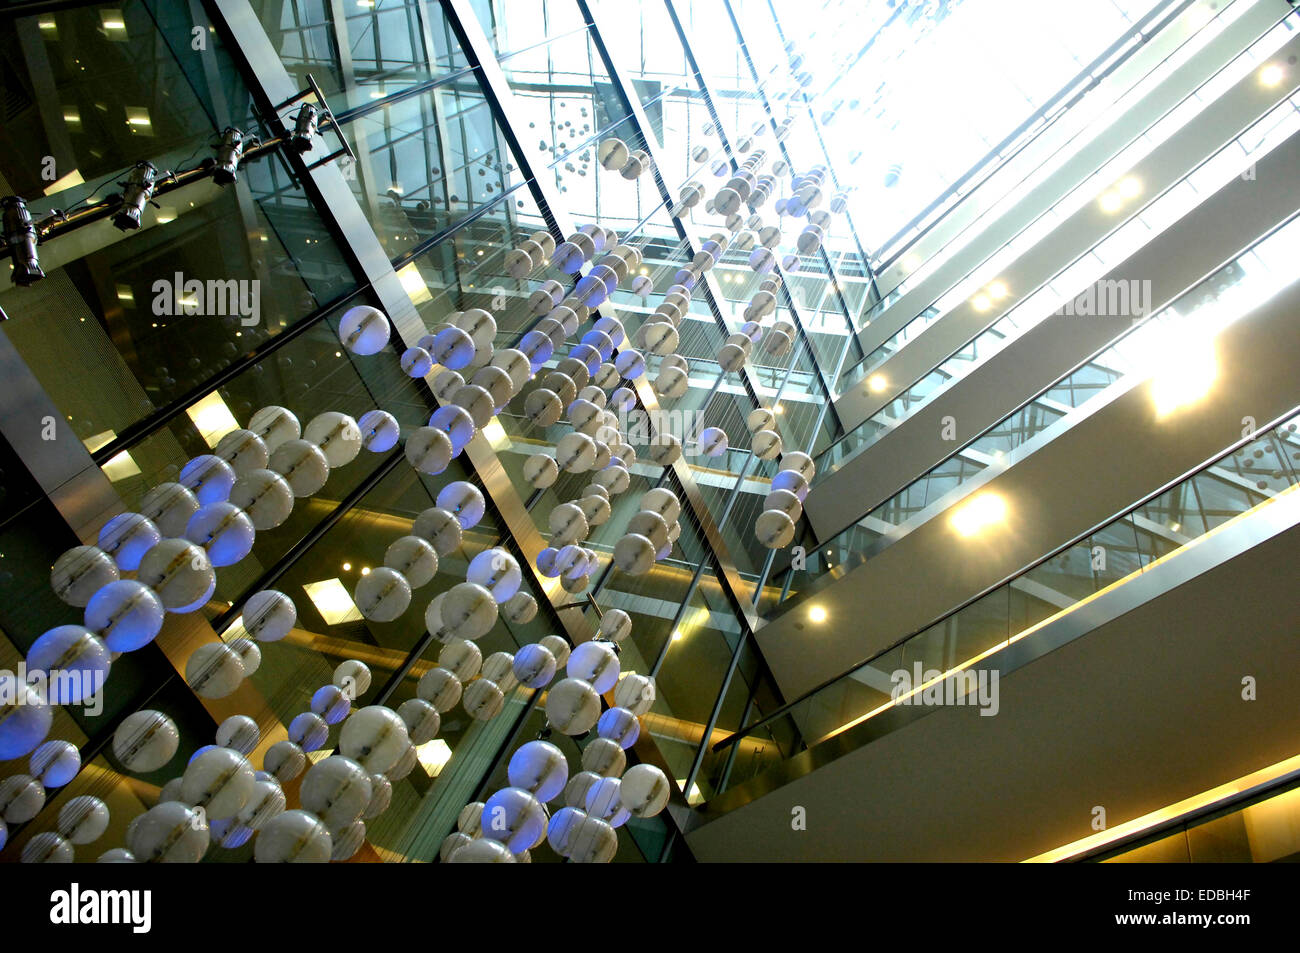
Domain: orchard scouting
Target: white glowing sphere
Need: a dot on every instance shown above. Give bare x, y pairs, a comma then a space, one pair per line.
520, 608
353, 677
540, 768
244, 450
364, 330
82, 571
634, 554
766, 444
284, 760
374, 737
468, 611
414, 557
483, 699
335, 789
496, 571
421, 719
274, 425
145, 741
302, 464
170, 832
644, 790
463, 500
603, 757
635, 692
265, 496
219, 780
462, 658
515, 818
309, 731
440, 527
440, 688
594, 662
534, 666
127, 537
83, 820
293, 837
572, 706
21, 798
774, 529
337, 435
379, 431
429, 450
55, 763
214, 670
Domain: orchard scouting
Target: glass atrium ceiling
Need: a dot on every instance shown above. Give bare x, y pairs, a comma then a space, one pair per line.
912, 95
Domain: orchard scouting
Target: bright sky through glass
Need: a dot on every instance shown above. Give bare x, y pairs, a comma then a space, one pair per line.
941, 84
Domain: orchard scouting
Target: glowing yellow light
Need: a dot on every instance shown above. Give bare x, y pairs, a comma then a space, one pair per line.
212, 418
877, 383
911, 262
347, 567
66, 182
694, 795
778, 409
138, 117
112, 19
1185, 373
413, 283
365, 570
677, 635
433, 756
978, 514
817, 614
998, 290
332, 601
1271, 74
981, 302
1130, 187
1111, 202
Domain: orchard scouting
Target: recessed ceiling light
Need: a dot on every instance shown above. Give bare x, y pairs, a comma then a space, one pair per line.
877, 383
979, 513
1111, 202
817, 614
1130, 187
1271, 74
1185, 375
981, 302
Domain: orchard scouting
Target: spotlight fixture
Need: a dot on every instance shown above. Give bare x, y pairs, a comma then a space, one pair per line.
304, 128
137, 192
21, 236
230, 152
310, 119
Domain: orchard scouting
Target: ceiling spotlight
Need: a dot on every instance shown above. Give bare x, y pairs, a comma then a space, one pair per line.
1271, 74
21, 236
817, 614
137, 191
877, 383
230, 152
304, 128
978, 514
